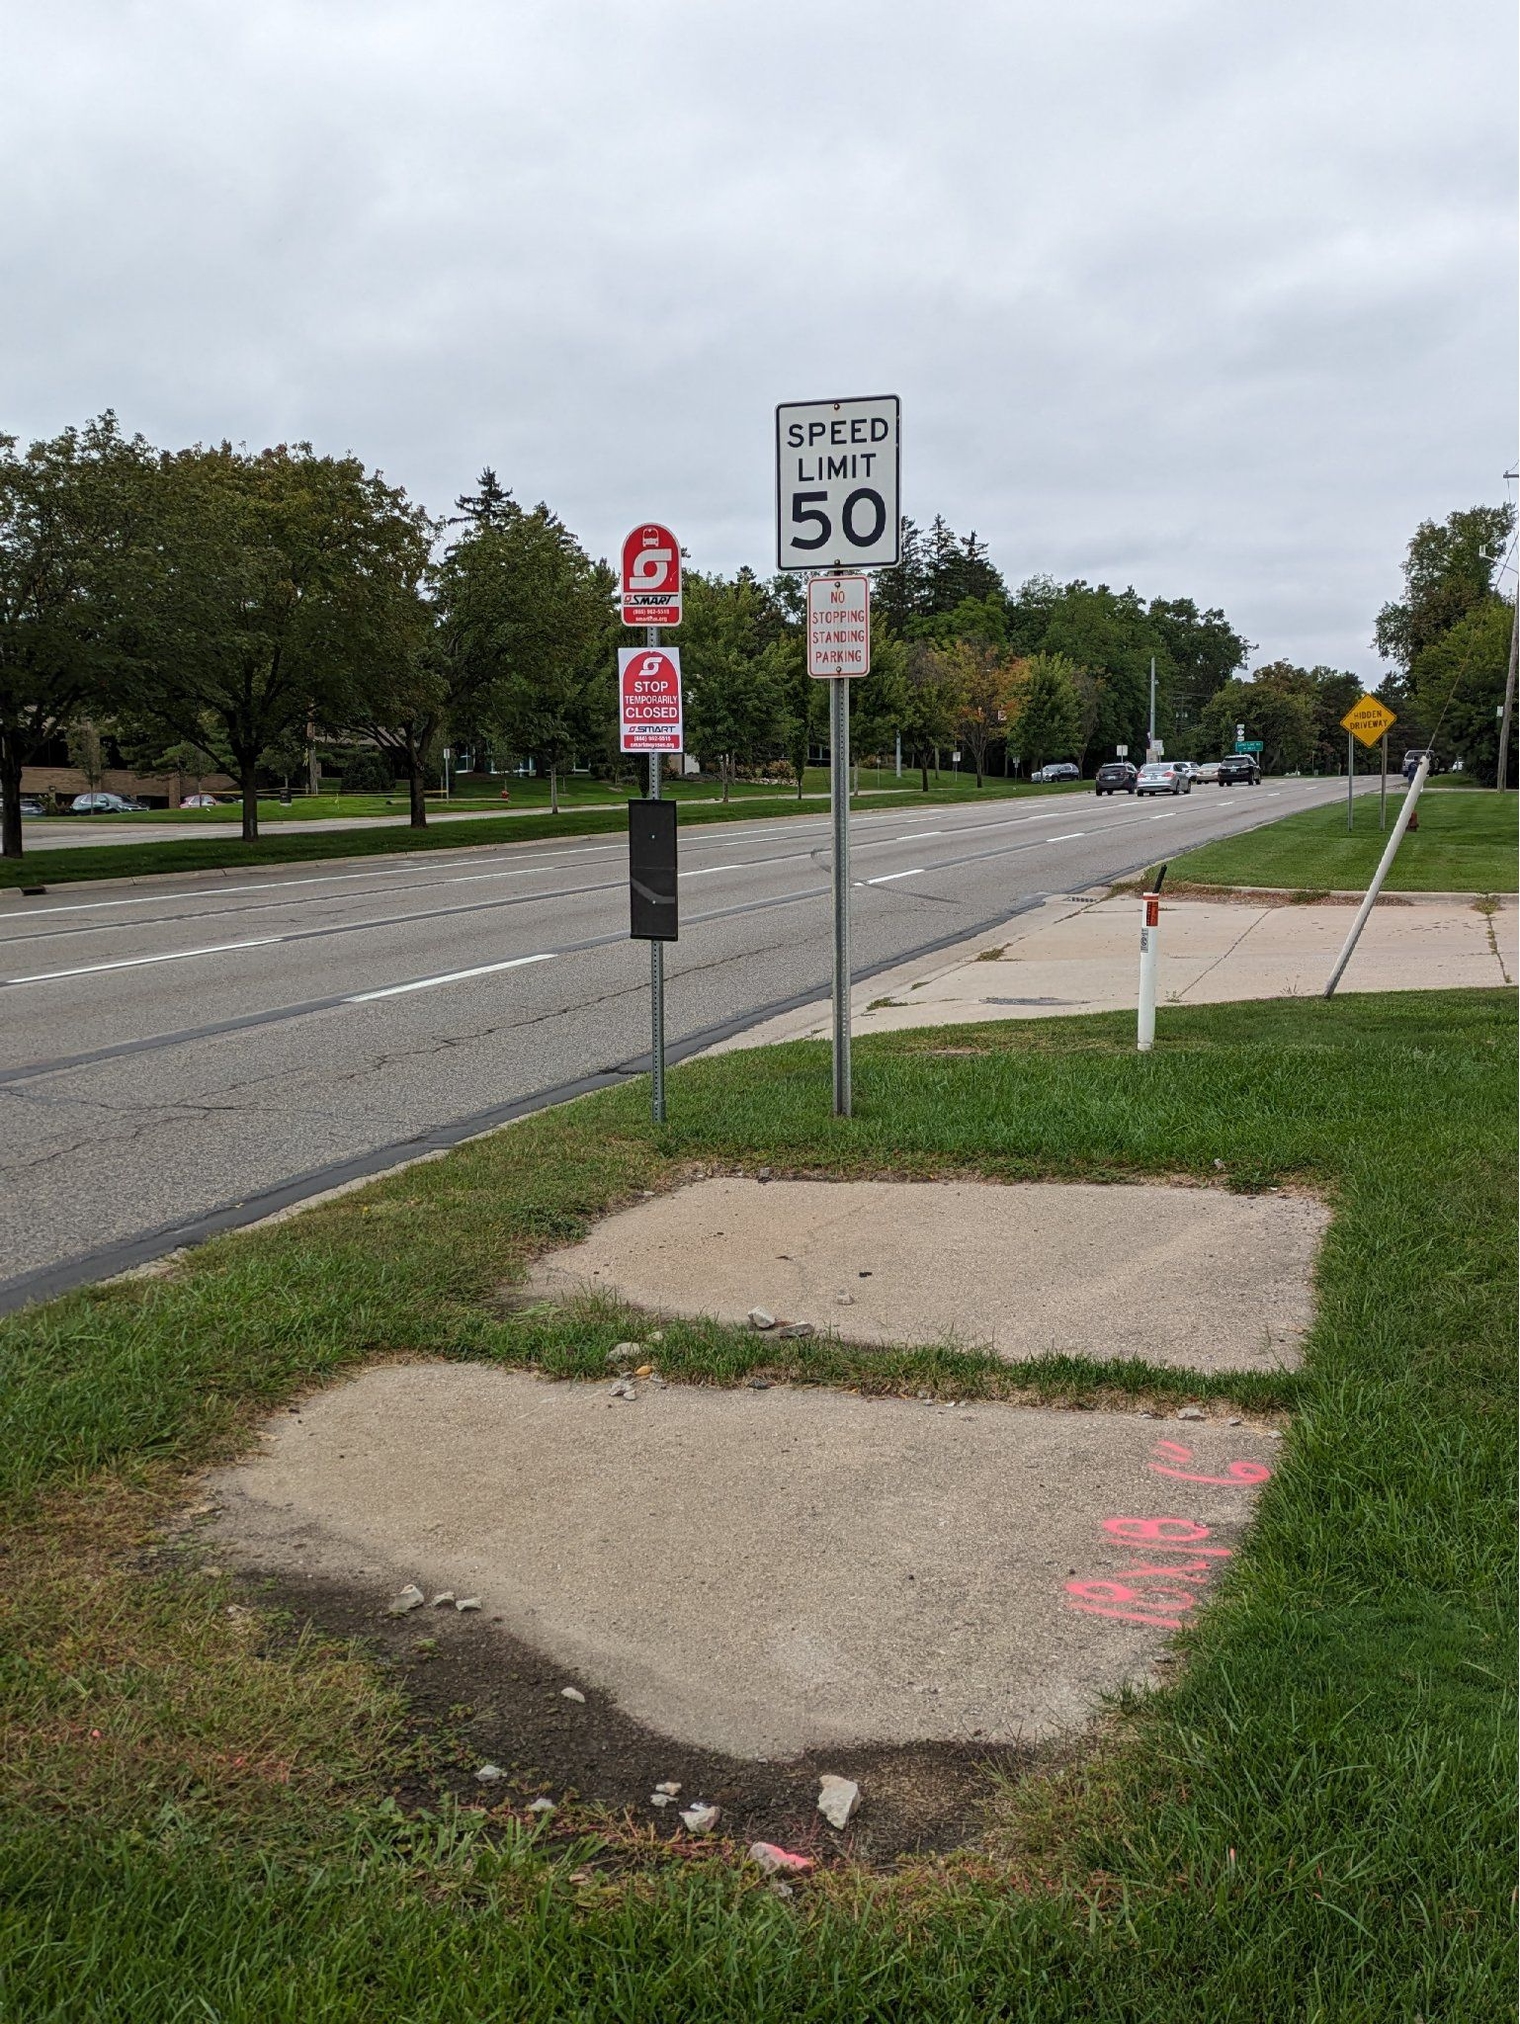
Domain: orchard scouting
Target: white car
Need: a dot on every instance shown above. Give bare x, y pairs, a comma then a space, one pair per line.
200, 801
1163, 776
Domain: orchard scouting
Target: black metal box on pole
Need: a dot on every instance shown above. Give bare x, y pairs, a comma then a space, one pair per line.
654, 914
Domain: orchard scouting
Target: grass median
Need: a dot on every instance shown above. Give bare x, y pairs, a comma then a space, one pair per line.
1466, 843
207, 847
1311, 1823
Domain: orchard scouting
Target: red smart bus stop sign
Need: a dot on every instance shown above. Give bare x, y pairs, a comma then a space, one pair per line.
651, 577
649, 699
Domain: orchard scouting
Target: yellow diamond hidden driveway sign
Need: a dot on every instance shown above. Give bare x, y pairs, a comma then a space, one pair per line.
1368, 719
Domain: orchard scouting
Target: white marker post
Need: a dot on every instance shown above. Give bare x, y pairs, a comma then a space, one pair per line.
838, 510
1150, 949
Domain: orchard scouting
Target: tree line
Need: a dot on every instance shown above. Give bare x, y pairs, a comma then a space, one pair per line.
226, 606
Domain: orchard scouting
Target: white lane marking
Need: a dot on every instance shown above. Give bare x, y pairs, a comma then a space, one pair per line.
1165, 815
887, 877
1070, 836
708, 870
138, 962
918, 836
449, 977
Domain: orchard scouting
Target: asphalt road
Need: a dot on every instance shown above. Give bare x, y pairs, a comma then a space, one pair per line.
186, 1058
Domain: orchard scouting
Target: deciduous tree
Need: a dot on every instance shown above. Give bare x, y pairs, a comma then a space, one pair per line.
69, 511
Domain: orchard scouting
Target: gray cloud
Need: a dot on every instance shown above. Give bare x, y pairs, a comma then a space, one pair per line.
1212, 298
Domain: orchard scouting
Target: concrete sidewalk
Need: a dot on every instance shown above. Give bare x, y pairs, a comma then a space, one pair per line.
1082, 955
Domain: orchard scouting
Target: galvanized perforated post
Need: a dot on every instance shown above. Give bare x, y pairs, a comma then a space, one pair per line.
656, 960
839, 795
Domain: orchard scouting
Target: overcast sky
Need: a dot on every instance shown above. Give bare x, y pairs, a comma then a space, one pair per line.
1211, 296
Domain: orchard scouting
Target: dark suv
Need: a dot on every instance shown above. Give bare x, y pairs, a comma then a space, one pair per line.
1239, 769
1117, 777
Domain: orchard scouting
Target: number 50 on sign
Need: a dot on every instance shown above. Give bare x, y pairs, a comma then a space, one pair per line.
837, 484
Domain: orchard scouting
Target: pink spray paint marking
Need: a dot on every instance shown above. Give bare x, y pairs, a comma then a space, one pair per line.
1236, 1475
1156, 1531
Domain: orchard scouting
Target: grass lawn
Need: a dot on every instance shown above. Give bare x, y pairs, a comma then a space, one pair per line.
209, 847
1312, 1822
1465, 844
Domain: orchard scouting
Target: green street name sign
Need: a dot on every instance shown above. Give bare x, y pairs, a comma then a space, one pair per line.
1248, 744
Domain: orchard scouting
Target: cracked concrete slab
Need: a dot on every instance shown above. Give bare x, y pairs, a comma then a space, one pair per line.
1183, 1276
764, 1572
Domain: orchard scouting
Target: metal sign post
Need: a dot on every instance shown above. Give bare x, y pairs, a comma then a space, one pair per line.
1383, 788
838, 509
839, 798
838, 651
649, 698
1367, 720
656, 958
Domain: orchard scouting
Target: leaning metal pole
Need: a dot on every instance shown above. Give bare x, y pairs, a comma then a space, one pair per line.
839, 796
1379, 875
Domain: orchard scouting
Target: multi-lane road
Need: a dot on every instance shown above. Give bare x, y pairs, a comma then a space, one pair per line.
187, 1057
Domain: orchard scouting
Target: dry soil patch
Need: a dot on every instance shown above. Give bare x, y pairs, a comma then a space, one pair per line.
1194, 1277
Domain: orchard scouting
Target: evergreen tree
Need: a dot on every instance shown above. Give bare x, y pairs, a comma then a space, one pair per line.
491, 506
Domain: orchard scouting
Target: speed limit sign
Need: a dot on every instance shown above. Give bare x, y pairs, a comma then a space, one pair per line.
837, 484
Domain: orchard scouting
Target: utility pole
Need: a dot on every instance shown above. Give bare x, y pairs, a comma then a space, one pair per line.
1150, 743
1509, 701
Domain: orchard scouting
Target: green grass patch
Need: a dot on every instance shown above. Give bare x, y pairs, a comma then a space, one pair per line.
207, 846
1312, 1823
1466, 843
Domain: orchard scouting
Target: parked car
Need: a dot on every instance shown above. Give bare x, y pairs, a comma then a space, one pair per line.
1117, 777
1239, 770
1064, 770
1207, 775
30, 805
1416, 753
105, 804
1163, 776
200, 801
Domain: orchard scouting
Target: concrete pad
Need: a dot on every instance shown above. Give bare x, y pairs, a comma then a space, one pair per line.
1027, 1269
1068, 956
761, 1572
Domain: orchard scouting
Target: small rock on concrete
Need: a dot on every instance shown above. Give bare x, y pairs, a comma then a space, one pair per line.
759, 1318
468, 1602
445, 1595
669, 1786
699, 1819
541, 1806
626, 1390
624, 1352
490, 1774
411, 1597
759, 1384
838, 1799
571, 1694
844, 1299
797, 1331
1192, 1413
661, 1799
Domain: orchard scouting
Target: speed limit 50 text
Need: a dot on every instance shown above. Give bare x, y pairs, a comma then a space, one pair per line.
837, 484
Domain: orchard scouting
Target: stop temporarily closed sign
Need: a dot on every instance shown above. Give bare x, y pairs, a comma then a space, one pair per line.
649, 699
